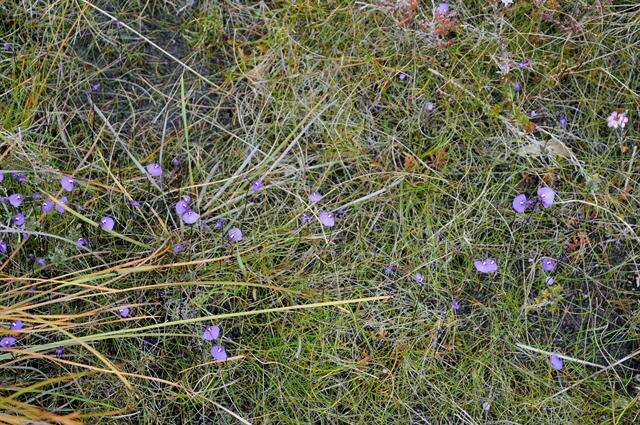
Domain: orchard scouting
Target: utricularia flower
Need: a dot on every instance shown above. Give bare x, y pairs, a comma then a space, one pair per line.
419, 278
315, 196
556, 361
107, 223
123, 311
326, 218
548, 264
154, 170
256, 185
67, 183
211, 332
617, 120
59, 204
488, 265
18, 219
234, 234
218, 353
15, 200
441, 10
546, 195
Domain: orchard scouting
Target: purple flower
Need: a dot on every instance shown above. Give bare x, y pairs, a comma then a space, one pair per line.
488, 265
190, 217
15, 200
16, 325
175, 162
546, 196
218, 353
430, 106
442, 9
7, 47
107, 223
402, 76
419, 278
182, 207
234, 234
154, 170
517, 86
59, 352
1, 176
46, 206
256, 185
36, 196
556, 362
617, 120
219, 223
520, 203
391, 268
549, 281
455, 305
67, 183
3, 247
562, 119
40, 261
134, 204
95, 87
18, 219
548, 264
326, 218
7, 341
304, 217
177, 248
19, 178
210, 333
315, 196
119, 23
82, 242
123, 311
59, 204
523, 64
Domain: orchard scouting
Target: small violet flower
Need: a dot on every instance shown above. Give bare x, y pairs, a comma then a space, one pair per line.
517, 86
18, 219
419, 278
16, 325
7, 341
123, 311
549, 281
3, 247
488, 265
182, 206
556, 362
546, 196
441, 10
234, 234
211, 332
46, 206
256, 185
304, 217
177, 248
82, 242
455, 305
154, 170
190, 217
548, 264
520, 203
218, 353
59, 205
326, 219
40, 261
315, 196
107, 223
219, 223
67, 183
617, 120
59, 352
562, 120
175, 162
15, 200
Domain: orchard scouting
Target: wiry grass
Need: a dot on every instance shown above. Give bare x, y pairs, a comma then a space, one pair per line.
309, 95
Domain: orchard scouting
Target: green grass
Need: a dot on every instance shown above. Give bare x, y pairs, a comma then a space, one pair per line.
308, 95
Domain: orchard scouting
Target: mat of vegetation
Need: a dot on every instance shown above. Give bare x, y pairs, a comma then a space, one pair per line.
326, 212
